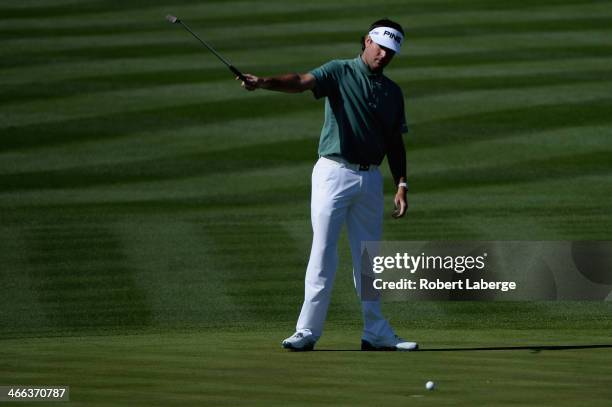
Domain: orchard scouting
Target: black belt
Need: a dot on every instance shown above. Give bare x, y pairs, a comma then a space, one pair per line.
354, 167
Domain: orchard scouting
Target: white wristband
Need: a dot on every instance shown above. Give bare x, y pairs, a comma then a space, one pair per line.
402, 184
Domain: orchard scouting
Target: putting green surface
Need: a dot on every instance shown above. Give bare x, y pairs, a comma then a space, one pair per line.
234, 368
154, 216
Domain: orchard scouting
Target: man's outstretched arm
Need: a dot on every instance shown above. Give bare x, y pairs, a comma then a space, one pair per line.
289, 83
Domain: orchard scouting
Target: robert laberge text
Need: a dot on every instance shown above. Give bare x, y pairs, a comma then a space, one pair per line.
437, 284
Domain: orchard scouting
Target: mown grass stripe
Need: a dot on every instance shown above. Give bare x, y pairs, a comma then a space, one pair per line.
209, 190
566, 166
91, 7
321, 14
504, 70
124, 123
170, 51
459, 26
174, 167
426, 212
297, 58
503, 123
278, 11
172, 104
538, 170
292, 34
495, 125
148, 144
133, 68
163, 145
169, 35
418, 88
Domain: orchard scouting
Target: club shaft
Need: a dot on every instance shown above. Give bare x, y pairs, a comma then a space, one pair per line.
211, 49
234, 70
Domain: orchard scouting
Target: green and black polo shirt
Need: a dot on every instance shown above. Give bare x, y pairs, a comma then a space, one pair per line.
363, 110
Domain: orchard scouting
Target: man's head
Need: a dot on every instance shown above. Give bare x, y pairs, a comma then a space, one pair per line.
381, 43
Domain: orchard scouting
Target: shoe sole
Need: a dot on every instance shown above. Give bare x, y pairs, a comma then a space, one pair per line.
368, 347
290, 347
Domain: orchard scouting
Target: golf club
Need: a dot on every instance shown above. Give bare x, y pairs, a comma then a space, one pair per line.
176, 20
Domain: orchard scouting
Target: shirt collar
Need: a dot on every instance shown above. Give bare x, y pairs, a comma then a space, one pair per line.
363, 67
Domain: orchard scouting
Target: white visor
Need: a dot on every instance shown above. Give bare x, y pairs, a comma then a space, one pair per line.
387, 37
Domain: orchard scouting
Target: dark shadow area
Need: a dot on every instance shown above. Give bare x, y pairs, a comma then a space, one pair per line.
534, 348
82, 278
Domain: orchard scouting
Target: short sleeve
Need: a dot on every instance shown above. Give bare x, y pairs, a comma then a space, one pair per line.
326, 77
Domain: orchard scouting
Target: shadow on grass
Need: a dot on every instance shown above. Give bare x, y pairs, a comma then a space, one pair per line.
534, 348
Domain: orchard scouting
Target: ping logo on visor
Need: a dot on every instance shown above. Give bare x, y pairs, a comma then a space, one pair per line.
387, 37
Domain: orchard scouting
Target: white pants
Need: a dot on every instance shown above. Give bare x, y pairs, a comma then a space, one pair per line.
341, 194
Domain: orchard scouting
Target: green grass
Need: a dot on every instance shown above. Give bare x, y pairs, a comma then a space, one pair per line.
215, 368
154, 215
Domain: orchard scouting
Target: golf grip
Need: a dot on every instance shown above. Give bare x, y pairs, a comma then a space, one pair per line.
237, 73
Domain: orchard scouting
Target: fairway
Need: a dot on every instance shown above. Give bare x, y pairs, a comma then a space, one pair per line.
155, 222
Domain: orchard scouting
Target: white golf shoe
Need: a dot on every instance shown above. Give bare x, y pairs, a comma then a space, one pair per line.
300, 341
391, 343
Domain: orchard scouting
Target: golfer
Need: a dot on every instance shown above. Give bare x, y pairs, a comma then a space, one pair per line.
364, 121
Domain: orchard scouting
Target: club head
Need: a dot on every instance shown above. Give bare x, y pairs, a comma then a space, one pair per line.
172, 19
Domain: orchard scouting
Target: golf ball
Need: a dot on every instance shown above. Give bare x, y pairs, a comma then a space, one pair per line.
430, 385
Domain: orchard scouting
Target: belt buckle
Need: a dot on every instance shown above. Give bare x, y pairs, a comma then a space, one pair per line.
364, 167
